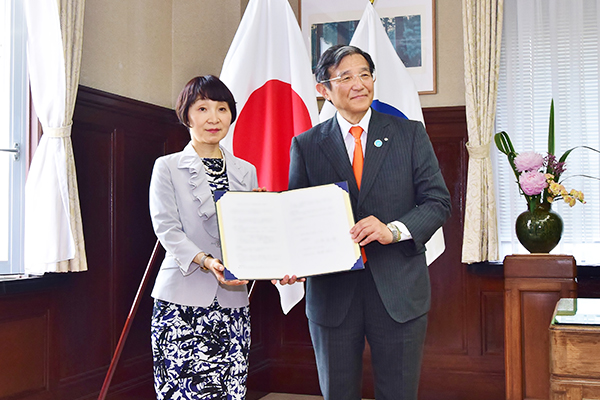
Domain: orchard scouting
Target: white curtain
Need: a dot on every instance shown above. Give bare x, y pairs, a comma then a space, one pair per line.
550, 50
53, 239
482, 33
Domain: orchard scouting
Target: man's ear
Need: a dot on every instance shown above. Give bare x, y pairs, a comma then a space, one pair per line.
323, 91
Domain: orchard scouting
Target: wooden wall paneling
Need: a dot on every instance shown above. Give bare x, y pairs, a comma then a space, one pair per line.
85, 320
259, 360
533, 285
26, 346
282, 358
116, 141
138, 150
463, 352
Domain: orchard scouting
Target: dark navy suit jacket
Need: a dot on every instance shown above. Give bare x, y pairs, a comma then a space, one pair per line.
401, 182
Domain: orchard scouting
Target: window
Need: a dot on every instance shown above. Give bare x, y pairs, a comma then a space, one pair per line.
550, 51
13, 125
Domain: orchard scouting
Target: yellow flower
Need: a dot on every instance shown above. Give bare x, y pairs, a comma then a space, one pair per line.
571, 201
577, 195
555, 188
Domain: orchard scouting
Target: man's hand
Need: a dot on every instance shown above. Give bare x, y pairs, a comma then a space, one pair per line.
287, 280
371, 229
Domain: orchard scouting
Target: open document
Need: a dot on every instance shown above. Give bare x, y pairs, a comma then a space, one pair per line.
302, 232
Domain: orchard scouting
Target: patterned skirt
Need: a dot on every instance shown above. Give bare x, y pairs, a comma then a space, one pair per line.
200, 353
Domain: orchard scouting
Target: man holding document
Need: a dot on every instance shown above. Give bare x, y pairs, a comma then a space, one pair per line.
399, 198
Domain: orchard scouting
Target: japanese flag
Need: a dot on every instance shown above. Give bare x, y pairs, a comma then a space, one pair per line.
267, 69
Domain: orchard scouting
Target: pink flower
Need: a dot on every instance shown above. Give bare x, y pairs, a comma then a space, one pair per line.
529, 161
532, 182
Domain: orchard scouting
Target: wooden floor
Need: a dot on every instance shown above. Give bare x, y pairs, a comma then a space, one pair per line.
283, 396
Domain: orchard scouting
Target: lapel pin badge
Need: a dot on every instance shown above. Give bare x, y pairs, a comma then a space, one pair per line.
378, 143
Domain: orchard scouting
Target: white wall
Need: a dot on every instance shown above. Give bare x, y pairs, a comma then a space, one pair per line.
148, 49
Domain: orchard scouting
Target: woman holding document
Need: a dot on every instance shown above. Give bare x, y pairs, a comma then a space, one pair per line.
200, 322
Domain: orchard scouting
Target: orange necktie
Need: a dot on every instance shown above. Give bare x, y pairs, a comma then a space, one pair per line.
358, 160
357, 165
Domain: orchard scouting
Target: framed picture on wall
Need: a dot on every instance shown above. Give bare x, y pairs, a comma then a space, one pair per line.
410, 25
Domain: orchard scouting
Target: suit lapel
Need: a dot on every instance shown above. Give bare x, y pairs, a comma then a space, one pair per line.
333, 146
235, 173
378, 145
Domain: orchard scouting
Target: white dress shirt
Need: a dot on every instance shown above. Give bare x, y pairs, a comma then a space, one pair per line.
350, 144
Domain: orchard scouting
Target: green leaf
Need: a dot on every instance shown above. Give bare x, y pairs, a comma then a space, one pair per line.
551, 129
503, 143
505, 146
563, 158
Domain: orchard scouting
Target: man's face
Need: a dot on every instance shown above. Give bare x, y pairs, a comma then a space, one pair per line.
351, 97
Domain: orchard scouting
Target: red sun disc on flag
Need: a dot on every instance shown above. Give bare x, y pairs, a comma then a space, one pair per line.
273, 114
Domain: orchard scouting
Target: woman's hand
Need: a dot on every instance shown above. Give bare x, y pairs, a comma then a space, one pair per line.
215, 266
259, 189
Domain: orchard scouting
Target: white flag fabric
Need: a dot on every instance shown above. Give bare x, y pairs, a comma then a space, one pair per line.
394, 90
267, 69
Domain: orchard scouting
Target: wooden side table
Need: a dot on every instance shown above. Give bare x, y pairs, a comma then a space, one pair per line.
575, 350
533, 284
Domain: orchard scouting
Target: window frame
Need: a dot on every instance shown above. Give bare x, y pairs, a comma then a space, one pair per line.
19, 129
529, 130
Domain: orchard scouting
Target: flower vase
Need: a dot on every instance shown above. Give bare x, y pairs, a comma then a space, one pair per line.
539, 231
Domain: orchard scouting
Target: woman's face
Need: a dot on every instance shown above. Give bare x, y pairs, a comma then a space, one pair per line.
209, 121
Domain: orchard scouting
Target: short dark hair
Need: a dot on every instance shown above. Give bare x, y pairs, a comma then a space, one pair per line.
207, 87
332, 57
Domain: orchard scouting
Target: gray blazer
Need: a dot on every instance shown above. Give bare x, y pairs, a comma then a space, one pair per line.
401, 182
184, 219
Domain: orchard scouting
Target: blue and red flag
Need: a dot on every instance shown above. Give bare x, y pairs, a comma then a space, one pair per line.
394, 91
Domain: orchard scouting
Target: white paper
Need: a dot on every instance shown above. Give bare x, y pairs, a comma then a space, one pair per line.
302, 232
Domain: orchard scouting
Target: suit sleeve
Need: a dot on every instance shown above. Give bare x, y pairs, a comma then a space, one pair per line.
298, 177
167, 221
432, 198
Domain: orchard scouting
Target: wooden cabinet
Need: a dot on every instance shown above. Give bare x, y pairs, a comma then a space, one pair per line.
533, 283
575, 357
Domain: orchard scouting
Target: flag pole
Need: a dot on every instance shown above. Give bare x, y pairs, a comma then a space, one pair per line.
128, 322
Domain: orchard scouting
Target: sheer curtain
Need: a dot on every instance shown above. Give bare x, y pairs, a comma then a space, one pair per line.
53, 228
550, 50
482, 32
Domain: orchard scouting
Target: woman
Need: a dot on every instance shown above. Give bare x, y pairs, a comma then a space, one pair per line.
200, 322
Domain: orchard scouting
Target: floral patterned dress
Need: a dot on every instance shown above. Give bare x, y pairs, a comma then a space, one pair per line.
201, 352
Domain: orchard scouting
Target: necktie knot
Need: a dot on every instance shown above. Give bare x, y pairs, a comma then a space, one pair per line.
356, 131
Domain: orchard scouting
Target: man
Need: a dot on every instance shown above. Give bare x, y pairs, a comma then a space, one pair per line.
399, 200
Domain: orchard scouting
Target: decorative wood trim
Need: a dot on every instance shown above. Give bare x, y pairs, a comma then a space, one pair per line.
532, 286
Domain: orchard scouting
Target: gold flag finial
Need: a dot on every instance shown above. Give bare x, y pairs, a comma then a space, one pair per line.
372, 1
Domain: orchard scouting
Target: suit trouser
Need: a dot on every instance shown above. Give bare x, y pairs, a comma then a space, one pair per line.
396, 349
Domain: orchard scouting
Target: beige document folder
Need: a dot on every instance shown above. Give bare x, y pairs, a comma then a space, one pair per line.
302, 232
